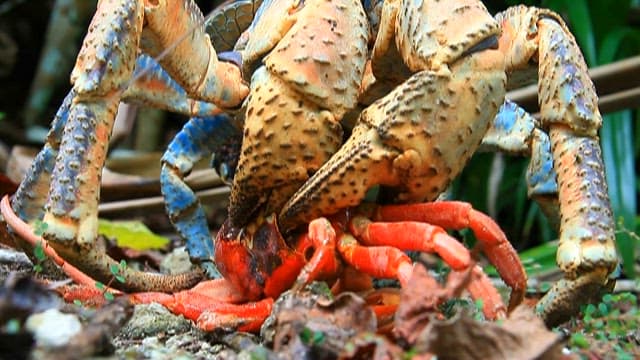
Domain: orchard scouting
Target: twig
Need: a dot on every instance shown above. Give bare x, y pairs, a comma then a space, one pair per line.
156, 203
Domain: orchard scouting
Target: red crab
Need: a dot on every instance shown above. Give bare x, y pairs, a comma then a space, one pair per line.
258, 264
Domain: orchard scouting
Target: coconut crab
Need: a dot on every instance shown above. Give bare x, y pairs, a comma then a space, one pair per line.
312, 65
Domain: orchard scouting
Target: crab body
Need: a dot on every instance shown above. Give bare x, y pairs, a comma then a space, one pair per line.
422, 84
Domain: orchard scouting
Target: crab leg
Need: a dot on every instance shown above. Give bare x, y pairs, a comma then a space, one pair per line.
28, 201
102, 71
153, 86
458, 215
192, 60
213, 304
411, 231
568, 107
25, 233
383, 257
199, 137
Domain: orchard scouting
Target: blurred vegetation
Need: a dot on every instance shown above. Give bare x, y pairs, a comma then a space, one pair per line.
605, 30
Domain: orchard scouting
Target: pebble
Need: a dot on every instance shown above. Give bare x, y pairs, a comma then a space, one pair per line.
52, 328
176, 262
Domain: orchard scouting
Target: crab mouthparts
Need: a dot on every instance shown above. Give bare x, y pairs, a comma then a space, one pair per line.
490, 42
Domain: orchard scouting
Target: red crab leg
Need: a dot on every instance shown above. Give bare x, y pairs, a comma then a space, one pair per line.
459, 215
247, 317
212, 304
383, 255
323, 261
322, 235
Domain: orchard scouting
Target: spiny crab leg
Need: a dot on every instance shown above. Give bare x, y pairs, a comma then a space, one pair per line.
152, 86
569, 109
102, 73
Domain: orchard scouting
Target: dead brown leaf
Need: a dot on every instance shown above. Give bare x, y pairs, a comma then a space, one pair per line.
420, 299
310, 324
370, 346
522, 336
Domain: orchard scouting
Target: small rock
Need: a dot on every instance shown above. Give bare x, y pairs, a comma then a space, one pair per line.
52, 328
176, 262
10, 256
154, 319
190, 345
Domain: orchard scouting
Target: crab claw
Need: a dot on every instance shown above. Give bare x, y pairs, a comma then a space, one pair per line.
416, 139
312, 71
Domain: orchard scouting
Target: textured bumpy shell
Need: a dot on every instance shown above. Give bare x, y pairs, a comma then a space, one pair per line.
417, 138
431, 33
310, 79
324, 53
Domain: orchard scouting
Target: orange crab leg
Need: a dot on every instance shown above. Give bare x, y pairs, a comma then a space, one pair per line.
212, 304
247, 317
412, 235
322, 237
458, 215
385, 241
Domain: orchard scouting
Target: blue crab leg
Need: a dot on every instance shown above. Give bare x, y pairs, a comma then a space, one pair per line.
199, 137
516, 132
154, 87
28, 201
569, 109
102, 72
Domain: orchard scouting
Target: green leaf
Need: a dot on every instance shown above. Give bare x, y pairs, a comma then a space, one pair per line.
132, 234
541, 259
13, 326
39, 227
114, 269
108, 296
579, 340
38, 252
311, 337
623, 38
